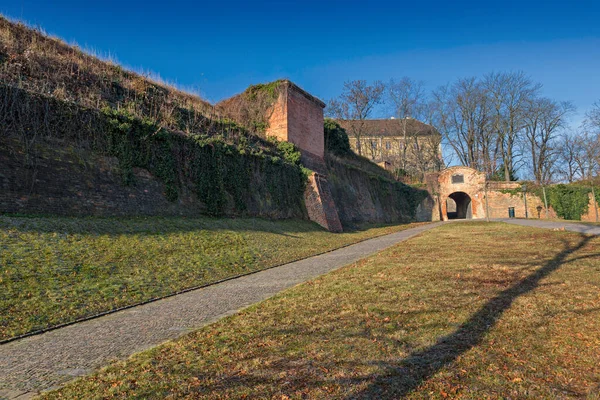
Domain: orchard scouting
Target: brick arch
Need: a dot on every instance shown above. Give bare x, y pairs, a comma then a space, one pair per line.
468, 181
459, 206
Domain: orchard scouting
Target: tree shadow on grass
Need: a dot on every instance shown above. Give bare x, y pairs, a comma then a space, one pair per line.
402, 378
298, 374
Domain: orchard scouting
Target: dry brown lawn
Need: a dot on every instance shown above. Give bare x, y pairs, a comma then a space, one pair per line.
468, 310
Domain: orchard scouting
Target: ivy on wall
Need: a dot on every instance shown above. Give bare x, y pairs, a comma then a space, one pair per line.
569, 201
252, 108
226, 168
220, 172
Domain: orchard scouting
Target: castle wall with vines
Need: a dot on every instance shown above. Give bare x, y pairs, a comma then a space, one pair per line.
58, 157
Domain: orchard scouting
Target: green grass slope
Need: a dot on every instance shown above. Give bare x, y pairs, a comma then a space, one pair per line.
55, 270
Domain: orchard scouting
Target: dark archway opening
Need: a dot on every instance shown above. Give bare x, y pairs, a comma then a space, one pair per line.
458, 206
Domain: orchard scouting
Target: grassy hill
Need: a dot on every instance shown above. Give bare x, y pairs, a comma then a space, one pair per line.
58, 99
57, 96
32, 60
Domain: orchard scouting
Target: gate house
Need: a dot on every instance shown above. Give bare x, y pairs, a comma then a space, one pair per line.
463, 193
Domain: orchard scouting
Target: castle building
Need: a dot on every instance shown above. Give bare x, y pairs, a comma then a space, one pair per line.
406, 146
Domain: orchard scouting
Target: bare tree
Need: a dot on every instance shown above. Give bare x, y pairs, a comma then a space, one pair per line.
498, 123
588, 154
508, 94
357, 101
569, 152
374, 148
433, 118
589, 143
407, 98
544, 118
463, 119
427, 152
592, 120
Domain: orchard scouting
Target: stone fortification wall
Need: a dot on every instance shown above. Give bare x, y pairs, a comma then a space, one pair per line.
362, 197
297, 117
470, 182
505, 195
305, 122
69, 181
60, 158
593, 211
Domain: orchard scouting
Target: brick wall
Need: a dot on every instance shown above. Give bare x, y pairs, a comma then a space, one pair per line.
472, 185
64, 180
428, 209
278, 120
500, 197
590, 215
500, 202
53, 161
305, 123
297, 117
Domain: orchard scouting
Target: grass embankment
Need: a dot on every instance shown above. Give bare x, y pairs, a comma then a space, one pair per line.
55, 270
469, 310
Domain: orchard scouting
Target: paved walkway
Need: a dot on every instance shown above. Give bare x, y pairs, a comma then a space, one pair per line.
568, 226
46, 361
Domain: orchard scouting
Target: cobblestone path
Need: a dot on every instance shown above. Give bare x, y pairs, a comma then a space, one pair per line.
46, 361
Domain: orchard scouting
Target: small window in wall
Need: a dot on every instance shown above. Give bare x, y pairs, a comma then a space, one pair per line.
388, 145
374, 144
458, 179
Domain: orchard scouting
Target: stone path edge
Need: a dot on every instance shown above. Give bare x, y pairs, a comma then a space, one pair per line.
190, 289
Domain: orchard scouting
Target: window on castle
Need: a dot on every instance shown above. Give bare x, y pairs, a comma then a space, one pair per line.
458, 179
388, 145
374, 144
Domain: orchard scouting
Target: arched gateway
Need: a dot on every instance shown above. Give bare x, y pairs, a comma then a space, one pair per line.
464, 193
461, 193
458, 206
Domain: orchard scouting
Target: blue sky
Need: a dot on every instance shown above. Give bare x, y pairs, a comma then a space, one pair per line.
220, 47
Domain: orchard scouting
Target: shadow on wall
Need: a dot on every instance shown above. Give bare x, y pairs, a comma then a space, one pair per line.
362, 196
428, 210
